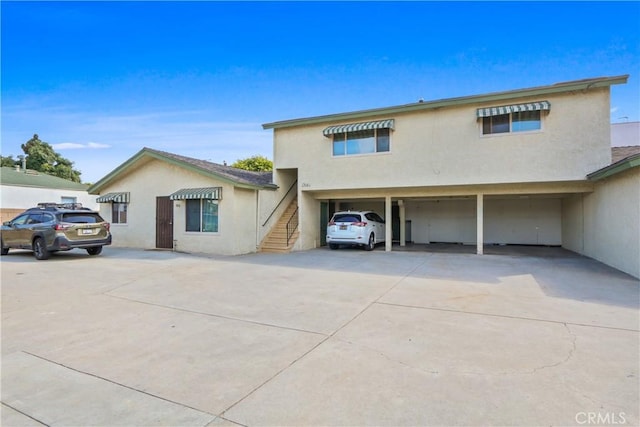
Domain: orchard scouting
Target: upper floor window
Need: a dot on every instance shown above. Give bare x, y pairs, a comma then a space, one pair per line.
361, 142
514, 122
360, 138
512, 118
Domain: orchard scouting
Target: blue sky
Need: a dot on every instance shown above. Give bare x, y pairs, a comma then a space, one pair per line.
101, 80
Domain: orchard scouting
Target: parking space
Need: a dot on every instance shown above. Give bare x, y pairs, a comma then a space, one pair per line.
318, 337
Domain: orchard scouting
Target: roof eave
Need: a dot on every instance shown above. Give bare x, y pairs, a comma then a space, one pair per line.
112, 176
577, 85
616, 168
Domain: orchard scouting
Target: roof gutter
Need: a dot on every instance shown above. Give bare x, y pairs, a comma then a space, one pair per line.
577, 85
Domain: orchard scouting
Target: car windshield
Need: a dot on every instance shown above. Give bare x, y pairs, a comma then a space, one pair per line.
81, 218
346, 218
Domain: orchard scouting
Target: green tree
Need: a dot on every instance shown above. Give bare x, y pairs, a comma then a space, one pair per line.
254, 163
42, 157
8, 161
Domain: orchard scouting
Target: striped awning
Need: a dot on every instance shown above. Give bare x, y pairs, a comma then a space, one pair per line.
213, 193
114, 198
352, 127
516, 108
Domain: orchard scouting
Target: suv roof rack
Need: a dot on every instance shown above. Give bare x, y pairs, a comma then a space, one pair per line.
52, 206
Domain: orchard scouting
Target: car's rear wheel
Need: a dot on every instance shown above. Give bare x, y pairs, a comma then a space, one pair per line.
5, 250
372, 243
333, 246
94, 251
40, 249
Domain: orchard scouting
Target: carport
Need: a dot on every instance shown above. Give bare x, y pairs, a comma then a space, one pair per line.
500, 214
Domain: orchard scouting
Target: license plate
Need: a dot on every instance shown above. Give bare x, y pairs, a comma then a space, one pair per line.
86, 231
343, 227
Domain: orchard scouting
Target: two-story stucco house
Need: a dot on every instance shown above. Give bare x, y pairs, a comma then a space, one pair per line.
514, 167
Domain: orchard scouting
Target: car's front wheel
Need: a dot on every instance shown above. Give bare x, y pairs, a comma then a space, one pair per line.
95, 250
40, 249
372, 243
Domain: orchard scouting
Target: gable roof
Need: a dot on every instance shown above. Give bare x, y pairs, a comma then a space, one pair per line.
31, 178
236, 177
563, 87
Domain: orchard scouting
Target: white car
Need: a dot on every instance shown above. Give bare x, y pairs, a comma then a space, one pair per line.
363, 228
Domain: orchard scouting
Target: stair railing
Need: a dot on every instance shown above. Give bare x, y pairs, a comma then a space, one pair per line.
280, 202
292, 225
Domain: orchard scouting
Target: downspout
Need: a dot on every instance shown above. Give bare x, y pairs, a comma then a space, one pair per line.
582, 237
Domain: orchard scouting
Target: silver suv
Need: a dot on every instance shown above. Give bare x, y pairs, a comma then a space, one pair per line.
363, 228
55, 227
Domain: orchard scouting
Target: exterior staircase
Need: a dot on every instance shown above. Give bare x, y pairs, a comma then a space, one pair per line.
277, 241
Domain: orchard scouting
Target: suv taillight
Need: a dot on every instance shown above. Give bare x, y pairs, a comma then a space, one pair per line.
331, 223
359, 224
107, 225
59, 227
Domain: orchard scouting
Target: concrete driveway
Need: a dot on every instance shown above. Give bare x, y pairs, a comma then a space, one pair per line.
320, 337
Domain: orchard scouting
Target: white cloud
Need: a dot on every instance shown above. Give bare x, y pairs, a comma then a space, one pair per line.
200, 134
78, 146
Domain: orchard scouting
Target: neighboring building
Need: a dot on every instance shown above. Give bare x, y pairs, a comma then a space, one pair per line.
23, 189
500, 168
167, 201
625, 134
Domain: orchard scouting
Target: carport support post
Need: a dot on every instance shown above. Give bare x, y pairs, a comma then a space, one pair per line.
480, 223
387, 219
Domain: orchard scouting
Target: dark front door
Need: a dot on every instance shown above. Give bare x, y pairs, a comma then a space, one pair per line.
164, 223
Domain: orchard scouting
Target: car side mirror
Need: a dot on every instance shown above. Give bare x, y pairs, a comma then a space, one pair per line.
7, 223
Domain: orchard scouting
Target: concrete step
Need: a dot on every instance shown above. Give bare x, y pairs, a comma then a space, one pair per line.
281, 238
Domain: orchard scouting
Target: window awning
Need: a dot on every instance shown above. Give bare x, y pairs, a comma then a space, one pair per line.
506, 109
114, 198
352, 127
213, 193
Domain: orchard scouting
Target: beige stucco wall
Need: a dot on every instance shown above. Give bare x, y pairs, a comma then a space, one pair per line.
523, 221
153, 178
445, 147
309, 222
507, 220
605, 224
